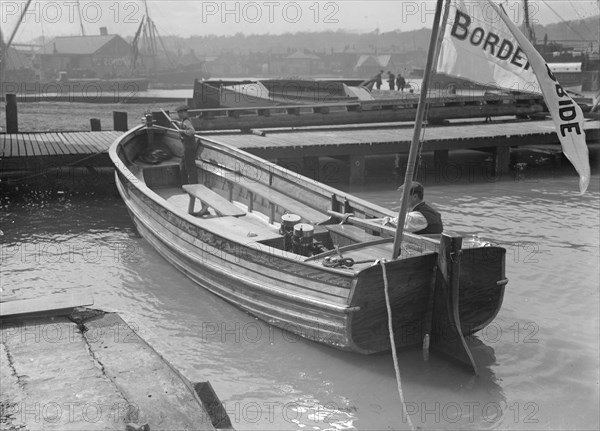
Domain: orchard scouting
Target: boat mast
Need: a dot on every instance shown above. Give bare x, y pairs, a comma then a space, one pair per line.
528, 26
80, 20
6, 47
414, 146
2, 49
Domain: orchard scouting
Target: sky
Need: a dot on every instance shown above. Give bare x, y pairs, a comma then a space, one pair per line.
185, 18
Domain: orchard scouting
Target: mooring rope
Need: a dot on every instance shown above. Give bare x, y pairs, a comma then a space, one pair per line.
393, 343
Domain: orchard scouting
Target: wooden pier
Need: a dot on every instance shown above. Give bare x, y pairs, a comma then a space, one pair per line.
34, 152
302, 148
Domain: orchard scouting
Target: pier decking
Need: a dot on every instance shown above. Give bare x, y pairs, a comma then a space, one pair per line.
36, 151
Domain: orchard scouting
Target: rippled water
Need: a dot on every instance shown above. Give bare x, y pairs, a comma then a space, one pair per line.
539, 360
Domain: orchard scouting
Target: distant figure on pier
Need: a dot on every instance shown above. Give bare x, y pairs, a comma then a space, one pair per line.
400, 82
421, 218
391, 80
190, 146
378, 80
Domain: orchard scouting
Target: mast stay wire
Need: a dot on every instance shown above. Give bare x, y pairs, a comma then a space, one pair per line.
427, 105
563, 20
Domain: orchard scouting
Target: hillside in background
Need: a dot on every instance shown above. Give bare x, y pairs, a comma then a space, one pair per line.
577, 31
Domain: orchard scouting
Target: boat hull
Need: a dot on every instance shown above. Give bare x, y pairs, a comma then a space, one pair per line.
341, 307
232, 272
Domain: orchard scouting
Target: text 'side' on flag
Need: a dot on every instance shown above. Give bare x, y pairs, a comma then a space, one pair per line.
483, 45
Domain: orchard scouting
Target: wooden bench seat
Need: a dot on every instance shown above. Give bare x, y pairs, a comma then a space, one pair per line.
239, 230
274, 197
211, 199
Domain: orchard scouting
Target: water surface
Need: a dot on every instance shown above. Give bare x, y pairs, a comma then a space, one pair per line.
539, 359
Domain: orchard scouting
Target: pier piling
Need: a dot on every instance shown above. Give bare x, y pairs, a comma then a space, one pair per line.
95, 125
12, 120
120, 121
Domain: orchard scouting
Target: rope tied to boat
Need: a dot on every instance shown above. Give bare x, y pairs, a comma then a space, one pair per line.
382, 262
340, 261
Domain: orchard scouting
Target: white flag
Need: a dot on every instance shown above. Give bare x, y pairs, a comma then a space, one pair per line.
482, 44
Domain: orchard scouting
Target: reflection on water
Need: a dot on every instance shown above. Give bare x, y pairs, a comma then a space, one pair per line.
538, 360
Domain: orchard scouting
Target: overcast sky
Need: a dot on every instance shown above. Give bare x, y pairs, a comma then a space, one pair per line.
195, 17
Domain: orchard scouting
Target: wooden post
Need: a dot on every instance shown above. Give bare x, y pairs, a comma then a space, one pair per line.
12, 120
501, 162
95, 124
150, 131
120, 121
357, 170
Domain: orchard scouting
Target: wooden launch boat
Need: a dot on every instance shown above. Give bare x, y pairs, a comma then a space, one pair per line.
301, 255
273, 92
242, 95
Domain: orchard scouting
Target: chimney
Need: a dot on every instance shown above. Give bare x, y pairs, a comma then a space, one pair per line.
103, 31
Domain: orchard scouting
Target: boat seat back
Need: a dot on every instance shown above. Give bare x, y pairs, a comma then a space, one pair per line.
255, 190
